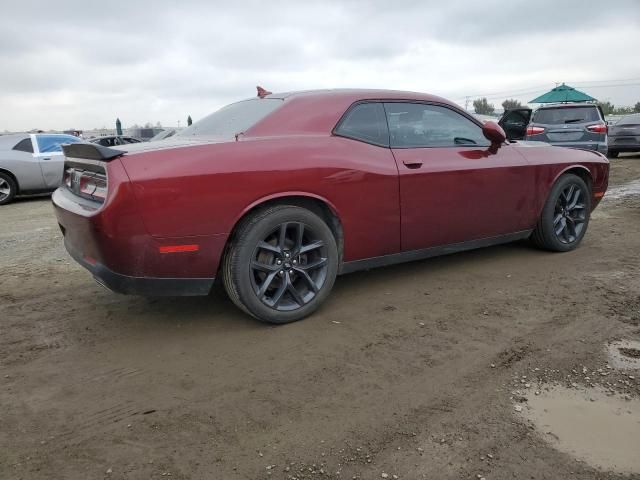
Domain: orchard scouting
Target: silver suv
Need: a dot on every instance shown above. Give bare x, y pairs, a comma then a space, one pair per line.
579, 125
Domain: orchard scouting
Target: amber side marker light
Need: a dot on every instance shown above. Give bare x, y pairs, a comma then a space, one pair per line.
598, 194
179, 248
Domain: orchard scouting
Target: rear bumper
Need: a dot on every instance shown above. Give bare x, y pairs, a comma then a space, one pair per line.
111, 242
147, 286
624, 147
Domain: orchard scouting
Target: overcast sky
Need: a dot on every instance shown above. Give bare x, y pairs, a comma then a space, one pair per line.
81, 64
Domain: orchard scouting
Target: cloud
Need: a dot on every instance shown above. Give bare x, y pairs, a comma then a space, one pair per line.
79, 64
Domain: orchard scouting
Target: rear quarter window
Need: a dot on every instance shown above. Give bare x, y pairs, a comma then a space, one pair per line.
365, 122
562, 115
24, 146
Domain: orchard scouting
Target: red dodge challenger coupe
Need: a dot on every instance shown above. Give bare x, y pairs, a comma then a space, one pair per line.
277, 195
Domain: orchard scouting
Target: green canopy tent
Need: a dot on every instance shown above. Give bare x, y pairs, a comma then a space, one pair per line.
562, 94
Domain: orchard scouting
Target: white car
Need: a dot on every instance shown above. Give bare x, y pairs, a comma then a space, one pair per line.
31, 163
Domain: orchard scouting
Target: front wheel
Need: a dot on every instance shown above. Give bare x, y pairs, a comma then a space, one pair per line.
613, 153
565, 215
8, 188
281, 264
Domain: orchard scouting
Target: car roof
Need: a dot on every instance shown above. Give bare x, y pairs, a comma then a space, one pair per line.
360, 94
567, 105
328, 106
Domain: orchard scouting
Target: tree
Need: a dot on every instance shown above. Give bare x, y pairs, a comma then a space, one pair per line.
509, 104
482, 107
622, 110
607, 107
636, 107
189, 121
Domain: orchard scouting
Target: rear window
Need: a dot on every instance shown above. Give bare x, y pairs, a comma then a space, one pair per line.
630, 120
232, 119
562, 115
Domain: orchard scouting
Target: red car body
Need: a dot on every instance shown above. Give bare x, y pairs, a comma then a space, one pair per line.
170, 208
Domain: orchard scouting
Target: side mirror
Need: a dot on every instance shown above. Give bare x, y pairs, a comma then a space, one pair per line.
494, 133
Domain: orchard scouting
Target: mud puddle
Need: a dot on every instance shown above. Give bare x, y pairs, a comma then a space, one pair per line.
621, 191
624, 354
601, 430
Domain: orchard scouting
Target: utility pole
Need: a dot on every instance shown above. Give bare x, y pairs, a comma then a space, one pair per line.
467, 99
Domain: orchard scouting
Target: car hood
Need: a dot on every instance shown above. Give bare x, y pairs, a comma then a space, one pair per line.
171, 142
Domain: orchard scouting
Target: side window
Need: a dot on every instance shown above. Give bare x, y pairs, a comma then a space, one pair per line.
24, 146
51, 143
415, 125
365, 122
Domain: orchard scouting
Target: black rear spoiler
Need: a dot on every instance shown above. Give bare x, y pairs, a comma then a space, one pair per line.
91, 151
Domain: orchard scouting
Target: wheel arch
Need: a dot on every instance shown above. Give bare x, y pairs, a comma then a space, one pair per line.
315, 203
13, 177
579, 170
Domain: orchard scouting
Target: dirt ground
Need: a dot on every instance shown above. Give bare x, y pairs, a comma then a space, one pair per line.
407, 372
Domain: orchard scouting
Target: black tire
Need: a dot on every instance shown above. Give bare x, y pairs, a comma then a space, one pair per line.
275, 276
8, 188
613, 154
565, 215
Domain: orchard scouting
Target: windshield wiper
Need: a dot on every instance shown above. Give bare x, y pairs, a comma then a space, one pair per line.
574, 120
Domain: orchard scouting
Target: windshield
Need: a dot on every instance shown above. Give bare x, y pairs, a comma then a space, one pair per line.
562, 115
232, 119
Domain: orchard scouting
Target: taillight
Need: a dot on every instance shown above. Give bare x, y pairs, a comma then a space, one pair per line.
68, 172
93, 186
599, 128
87, 184
534, 131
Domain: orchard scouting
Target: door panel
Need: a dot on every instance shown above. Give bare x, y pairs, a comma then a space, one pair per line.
52, 166
26, 168
460, 193
48, 153
454, 186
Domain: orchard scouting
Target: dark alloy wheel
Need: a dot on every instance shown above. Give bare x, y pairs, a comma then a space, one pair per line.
281, 265
289, 266
8, 188
569, 215
565, 215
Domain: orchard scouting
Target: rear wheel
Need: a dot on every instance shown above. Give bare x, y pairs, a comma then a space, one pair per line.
8, 188
565, 215
613, 153
281, 265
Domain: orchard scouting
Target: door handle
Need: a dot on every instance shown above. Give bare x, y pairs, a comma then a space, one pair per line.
46, 158
413, 165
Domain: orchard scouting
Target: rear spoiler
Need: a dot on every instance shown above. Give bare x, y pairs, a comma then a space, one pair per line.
91, 151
